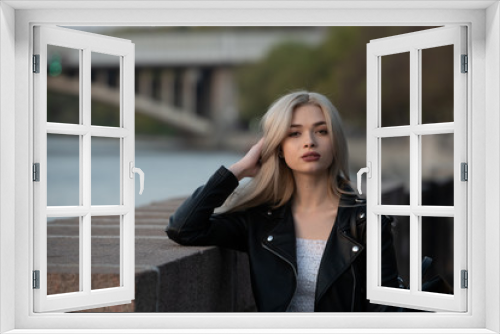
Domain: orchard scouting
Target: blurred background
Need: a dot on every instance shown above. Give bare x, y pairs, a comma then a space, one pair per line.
200, 94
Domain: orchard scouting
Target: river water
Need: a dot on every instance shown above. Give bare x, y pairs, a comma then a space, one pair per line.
169, 172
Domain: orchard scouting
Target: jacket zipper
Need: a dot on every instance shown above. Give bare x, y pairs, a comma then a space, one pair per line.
294, 272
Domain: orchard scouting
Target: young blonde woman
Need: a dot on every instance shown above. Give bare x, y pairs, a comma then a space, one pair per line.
298, 219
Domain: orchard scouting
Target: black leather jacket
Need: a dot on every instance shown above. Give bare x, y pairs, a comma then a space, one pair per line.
268, 236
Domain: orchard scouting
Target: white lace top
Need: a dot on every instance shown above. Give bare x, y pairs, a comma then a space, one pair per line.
309, 254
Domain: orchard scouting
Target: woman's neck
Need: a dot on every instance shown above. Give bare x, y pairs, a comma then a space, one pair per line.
312, 194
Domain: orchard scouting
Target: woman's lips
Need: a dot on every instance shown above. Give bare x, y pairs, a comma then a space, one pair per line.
311, 156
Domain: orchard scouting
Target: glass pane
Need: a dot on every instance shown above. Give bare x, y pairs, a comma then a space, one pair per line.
63, 170
437, 84
395, 89
105, 171
105, 77
395, 170
437, 169
63, 255
437, 243
105, 252
63, 85
400, 228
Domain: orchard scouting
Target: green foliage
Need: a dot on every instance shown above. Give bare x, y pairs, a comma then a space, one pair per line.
292, 66
337, 69
285, 69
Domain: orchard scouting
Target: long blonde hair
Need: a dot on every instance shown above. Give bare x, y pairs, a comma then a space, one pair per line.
274, 184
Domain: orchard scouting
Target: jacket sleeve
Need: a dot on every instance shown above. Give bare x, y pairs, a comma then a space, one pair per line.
194, 222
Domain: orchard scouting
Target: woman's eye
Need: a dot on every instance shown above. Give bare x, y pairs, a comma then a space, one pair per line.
293, 134
323, 132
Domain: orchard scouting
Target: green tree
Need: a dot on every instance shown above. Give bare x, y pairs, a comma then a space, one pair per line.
286, 68
337, 69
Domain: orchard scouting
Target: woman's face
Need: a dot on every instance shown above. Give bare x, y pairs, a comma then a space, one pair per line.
307, 149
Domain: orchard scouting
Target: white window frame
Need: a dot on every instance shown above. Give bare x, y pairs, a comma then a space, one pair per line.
124, 51
413, 44
483, 21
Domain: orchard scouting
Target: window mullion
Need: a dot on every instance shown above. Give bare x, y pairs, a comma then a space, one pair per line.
415, 157
86, 166
85, 154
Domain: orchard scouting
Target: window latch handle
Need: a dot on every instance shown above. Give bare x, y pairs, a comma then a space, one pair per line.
139, 171
368, 171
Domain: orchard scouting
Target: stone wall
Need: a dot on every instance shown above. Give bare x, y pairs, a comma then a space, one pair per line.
168, 277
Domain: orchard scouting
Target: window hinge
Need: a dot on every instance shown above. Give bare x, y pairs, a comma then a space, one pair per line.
36, 172
36, 279
465, 64
36, 63
464, 171
465, 279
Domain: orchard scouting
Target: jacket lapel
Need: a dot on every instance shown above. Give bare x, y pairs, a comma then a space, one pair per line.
280, 238
339, 253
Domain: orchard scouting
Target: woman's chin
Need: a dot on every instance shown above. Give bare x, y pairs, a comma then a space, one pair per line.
318, 171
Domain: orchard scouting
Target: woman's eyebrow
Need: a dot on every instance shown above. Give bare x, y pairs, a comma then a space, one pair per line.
314, 125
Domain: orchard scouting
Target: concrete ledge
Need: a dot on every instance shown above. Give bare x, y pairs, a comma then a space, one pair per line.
174, 278
169, 277
195, 279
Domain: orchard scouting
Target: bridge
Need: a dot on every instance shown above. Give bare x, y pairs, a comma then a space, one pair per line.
186, 79
176, 117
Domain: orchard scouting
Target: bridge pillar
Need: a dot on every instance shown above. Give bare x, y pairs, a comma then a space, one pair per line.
189, 83
224, 99
167, 82
144, 82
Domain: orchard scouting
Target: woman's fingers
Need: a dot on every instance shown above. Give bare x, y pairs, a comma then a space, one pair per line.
249, 165
256, 151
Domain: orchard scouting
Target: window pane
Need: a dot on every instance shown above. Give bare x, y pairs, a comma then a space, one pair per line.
437, 243
105, 171
63, 255
105, 252
437, 84
400, 228
437, 169
105, 77
63, 85
395, 89
63, 170
395, 170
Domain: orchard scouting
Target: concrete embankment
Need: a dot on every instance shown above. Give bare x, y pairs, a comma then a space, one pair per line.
169, 277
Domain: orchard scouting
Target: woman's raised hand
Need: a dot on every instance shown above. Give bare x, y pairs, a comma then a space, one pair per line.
249, 165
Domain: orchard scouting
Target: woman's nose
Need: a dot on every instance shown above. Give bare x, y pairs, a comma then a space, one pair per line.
309, 140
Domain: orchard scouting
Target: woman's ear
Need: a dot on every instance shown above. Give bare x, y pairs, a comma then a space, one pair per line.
280, 152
